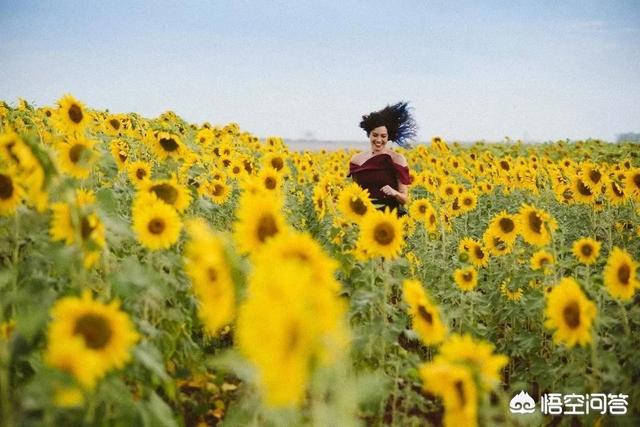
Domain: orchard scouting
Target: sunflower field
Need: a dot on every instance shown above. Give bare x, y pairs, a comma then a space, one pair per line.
155, 272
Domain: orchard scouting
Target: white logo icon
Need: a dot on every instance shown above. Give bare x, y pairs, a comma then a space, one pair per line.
522, 403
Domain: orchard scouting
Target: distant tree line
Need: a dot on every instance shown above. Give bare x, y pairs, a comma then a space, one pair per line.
628, 137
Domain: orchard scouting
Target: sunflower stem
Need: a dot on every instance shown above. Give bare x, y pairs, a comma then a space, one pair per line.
595, 374
15, 258
5, 400
625, 319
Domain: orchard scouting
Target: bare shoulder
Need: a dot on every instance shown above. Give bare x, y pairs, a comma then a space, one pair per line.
358, 158
398, 158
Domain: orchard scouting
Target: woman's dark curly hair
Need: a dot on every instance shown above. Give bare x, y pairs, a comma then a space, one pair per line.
396, 118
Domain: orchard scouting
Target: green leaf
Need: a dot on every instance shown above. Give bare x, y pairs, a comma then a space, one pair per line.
160, 412
151, 358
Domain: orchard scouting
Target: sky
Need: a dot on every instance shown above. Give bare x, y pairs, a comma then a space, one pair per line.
538, 71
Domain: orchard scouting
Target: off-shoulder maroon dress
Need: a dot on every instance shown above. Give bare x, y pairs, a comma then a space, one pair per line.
375, 173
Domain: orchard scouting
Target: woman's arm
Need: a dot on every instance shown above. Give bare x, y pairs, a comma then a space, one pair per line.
401, 194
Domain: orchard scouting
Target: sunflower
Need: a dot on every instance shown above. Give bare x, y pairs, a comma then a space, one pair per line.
586, 250
139, 172
169, 191
166, 145
508, 293
259, 219
536, 225
620, 274
425, 315
381, 233
88, 338
478, 355
320, 197
205, 137
615, 193
216, 190
71, 115
10, 193
505, 226
474, 252
449, 191
455, 385
207, 267
112, 125
468, 200
420, 209
157, 225
541, 260
120, 152
354, 202
582, 192
275, 161
295, 323
592, 175
466, 278
570, 313
632, 183
495, 245
73, 224
77, 156
270, 180
302, 248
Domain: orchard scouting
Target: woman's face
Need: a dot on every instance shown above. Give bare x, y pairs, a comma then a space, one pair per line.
379, 138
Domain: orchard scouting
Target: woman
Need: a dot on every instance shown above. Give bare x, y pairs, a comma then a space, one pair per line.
381, 171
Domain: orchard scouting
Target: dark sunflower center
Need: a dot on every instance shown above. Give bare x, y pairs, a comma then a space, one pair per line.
624, 274
479, 252
617, 190
583, 189
505, 165
212, 274
384, 233
168, 144
266, 227
6, 187
432, 219
95, 330
499, 244
75, 152
571, 314
595, 176
426, 316
448, 191
165, 192
141, 173
422, 209
277, 163
86, 228
467, 276
115, 123
75, 113
586, 249
506, 225
247, 166
156, 226
358, 207
636, 180
218, 190
535, 223
467, 201
459, 386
